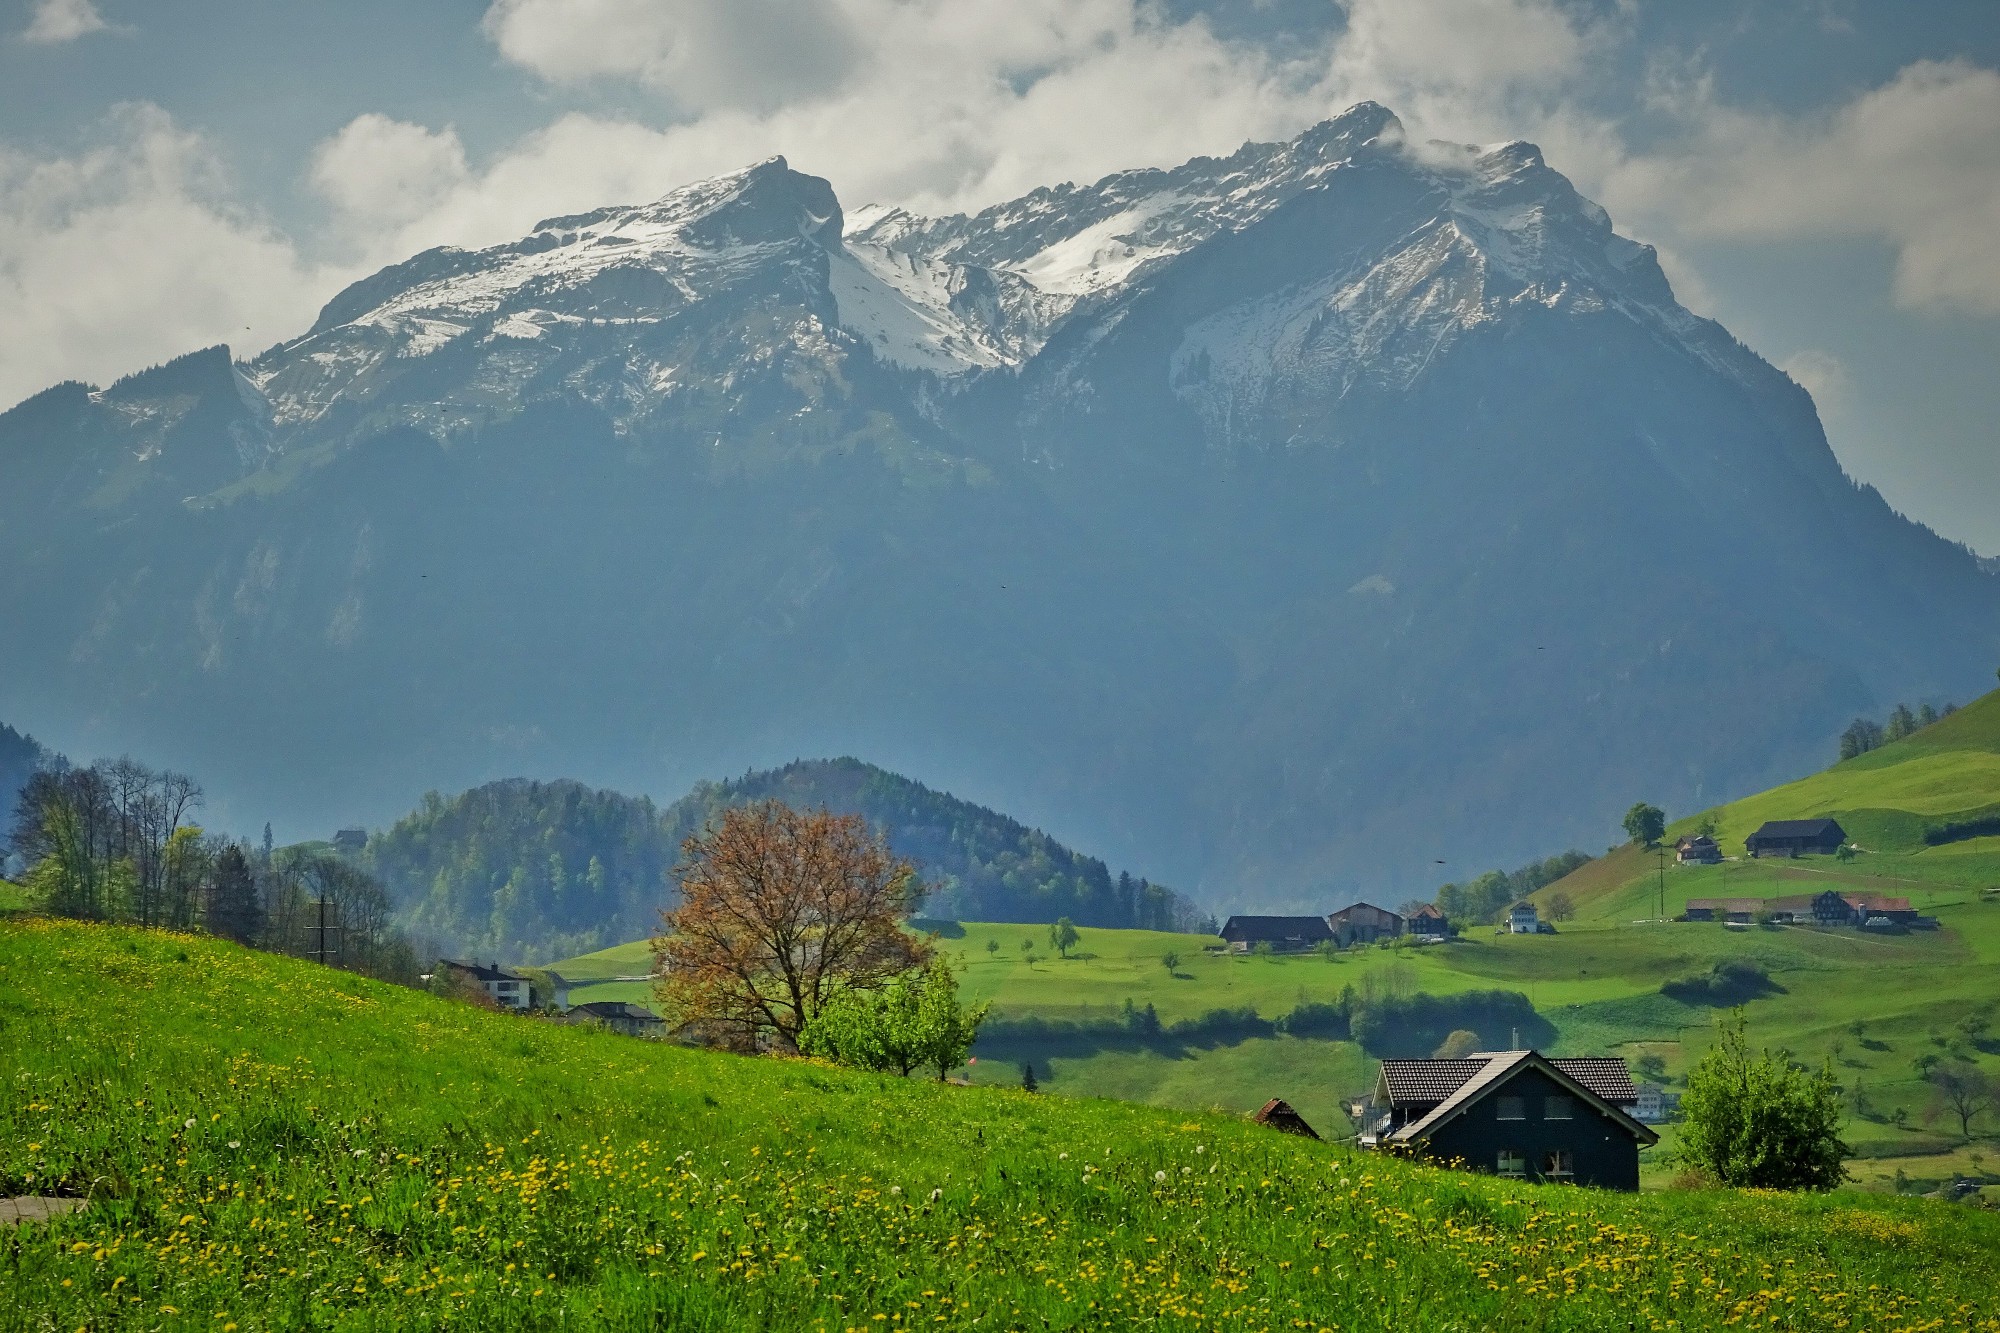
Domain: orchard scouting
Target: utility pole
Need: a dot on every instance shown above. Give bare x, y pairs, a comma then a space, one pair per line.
1663, 881
322, 952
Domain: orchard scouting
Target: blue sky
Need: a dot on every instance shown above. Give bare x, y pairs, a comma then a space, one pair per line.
1821, 175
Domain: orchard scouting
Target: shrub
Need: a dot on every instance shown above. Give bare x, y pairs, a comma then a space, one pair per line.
1414, 1026
1761, 1121
1729, 982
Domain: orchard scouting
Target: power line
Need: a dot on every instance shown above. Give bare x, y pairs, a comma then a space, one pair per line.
322, 952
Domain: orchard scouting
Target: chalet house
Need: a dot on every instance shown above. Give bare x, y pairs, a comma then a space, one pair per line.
506, 988
633, 1020
1285, 934
1796, 837
350, 841
1700, 850
1523, 919
1363, 923
1428, 922
1514, 1113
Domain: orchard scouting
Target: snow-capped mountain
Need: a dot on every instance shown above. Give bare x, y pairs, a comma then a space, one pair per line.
1260, 520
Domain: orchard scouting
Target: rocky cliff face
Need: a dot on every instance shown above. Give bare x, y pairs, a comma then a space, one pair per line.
1281, 524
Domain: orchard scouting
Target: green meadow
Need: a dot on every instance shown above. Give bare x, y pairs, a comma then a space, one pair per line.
1871, 1004
267, 1144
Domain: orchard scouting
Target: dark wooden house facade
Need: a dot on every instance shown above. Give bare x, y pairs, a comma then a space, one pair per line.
1514, 1113
1285, 934
1796, 837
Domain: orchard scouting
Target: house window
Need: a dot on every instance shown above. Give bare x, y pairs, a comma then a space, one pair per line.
1511, 1108
1511, 1163
1558, 1107
1558, 1165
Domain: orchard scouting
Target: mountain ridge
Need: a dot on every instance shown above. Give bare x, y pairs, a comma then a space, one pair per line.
1381, 506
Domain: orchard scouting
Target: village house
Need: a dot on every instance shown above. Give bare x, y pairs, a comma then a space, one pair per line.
1655, 1105
1699, 850
1363, 923
505, 987
633, 1020
1796, 837
1284, 934
1429, 923
1514, 1113
1523, 919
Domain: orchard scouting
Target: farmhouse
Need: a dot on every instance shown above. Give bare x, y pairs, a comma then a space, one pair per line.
1429, 922
1796, 837
1700, 850
506, 988
1523, 919
1363, 923
1738, 910
1514, 1113
634, 1020
1285, 934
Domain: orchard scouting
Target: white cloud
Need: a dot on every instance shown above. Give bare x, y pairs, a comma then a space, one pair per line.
126, 254
57, 21
382, 172
1914, 164
703, 54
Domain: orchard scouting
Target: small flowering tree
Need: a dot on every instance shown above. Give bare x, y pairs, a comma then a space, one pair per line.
914, 1022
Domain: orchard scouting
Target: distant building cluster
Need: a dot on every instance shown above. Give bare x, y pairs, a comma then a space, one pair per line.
1827, 908
1363, 923
548, 992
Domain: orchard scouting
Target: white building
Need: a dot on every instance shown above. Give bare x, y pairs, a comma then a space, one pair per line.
508, 989
1523, 919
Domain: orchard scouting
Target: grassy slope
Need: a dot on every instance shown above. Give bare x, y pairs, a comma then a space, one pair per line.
272, 1145
1598, 983
1884, 799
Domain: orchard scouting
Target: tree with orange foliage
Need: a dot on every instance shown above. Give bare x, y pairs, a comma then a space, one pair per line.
782, 910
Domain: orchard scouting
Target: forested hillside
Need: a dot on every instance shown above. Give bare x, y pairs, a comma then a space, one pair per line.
521, 869
539, 870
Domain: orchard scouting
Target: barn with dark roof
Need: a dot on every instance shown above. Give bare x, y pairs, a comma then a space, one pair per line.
1796, 837
1285, 934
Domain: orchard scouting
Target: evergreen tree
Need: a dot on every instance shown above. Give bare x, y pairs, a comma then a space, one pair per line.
233, 910
1028, 1083
1901, 723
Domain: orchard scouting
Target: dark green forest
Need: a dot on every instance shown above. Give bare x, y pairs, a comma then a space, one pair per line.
542, 870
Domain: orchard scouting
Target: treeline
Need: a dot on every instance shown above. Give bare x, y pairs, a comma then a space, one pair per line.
1485, 900
1386, 1024
116, 841
546, 870
1863, 735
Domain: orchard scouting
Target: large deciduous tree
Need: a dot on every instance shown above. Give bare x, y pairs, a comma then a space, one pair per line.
781, 911
1644, 824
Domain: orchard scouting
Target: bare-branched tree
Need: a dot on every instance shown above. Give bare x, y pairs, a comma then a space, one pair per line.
781, 910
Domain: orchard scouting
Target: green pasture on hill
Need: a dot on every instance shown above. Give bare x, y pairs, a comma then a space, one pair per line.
1597, 982
268, 1144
